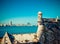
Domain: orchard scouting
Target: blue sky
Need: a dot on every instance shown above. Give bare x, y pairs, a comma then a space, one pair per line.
23, 11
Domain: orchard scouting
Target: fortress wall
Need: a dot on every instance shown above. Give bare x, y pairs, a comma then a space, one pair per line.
33, 37
40, 25
23, 37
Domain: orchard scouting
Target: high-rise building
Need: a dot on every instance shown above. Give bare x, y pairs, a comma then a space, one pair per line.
10, 23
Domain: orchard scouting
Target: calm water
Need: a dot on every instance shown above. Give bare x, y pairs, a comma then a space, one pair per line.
18, 29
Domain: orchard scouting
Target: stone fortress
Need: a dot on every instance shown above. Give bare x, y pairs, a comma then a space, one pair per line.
33, 38
26, 38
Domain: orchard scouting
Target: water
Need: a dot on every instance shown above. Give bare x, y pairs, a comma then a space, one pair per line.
17, 29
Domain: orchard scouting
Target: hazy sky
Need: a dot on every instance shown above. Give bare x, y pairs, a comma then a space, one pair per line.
23, 11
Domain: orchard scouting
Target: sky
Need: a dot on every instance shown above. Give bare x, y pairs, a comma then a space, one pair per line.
23, 11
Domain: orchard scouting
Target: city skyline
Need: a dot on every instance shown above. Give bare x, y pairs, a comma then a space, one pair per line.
23, 11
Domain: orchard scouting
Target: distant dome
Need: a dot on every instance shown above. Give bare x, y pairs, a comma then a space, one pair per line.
40, 12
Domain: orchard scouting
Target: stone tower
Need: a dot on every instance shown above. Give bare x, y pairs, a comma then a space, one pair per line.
57, 19
40, 25
39, 18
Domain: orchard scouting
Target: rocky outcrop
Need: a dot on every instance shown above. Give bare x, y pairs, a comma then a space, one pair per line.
51, 34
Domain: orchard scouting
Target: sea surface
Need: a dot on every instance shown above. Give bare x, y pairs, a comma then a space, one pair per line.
18, 29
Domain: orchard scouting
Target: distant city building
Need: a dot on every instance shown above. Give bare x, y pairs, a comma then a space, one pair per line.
10, 23
1, 24
24, 38
48, 32
28, 24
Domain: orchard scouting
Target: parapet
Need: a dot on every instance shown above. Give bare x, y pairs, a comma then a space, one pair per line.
39, 13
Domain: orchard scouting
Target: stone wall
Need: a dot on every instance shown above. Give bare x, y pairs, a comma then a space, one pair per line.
51, 34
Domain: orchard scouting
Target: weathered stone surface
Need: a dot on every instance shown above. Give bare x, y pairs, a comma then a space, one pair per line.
51, 34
